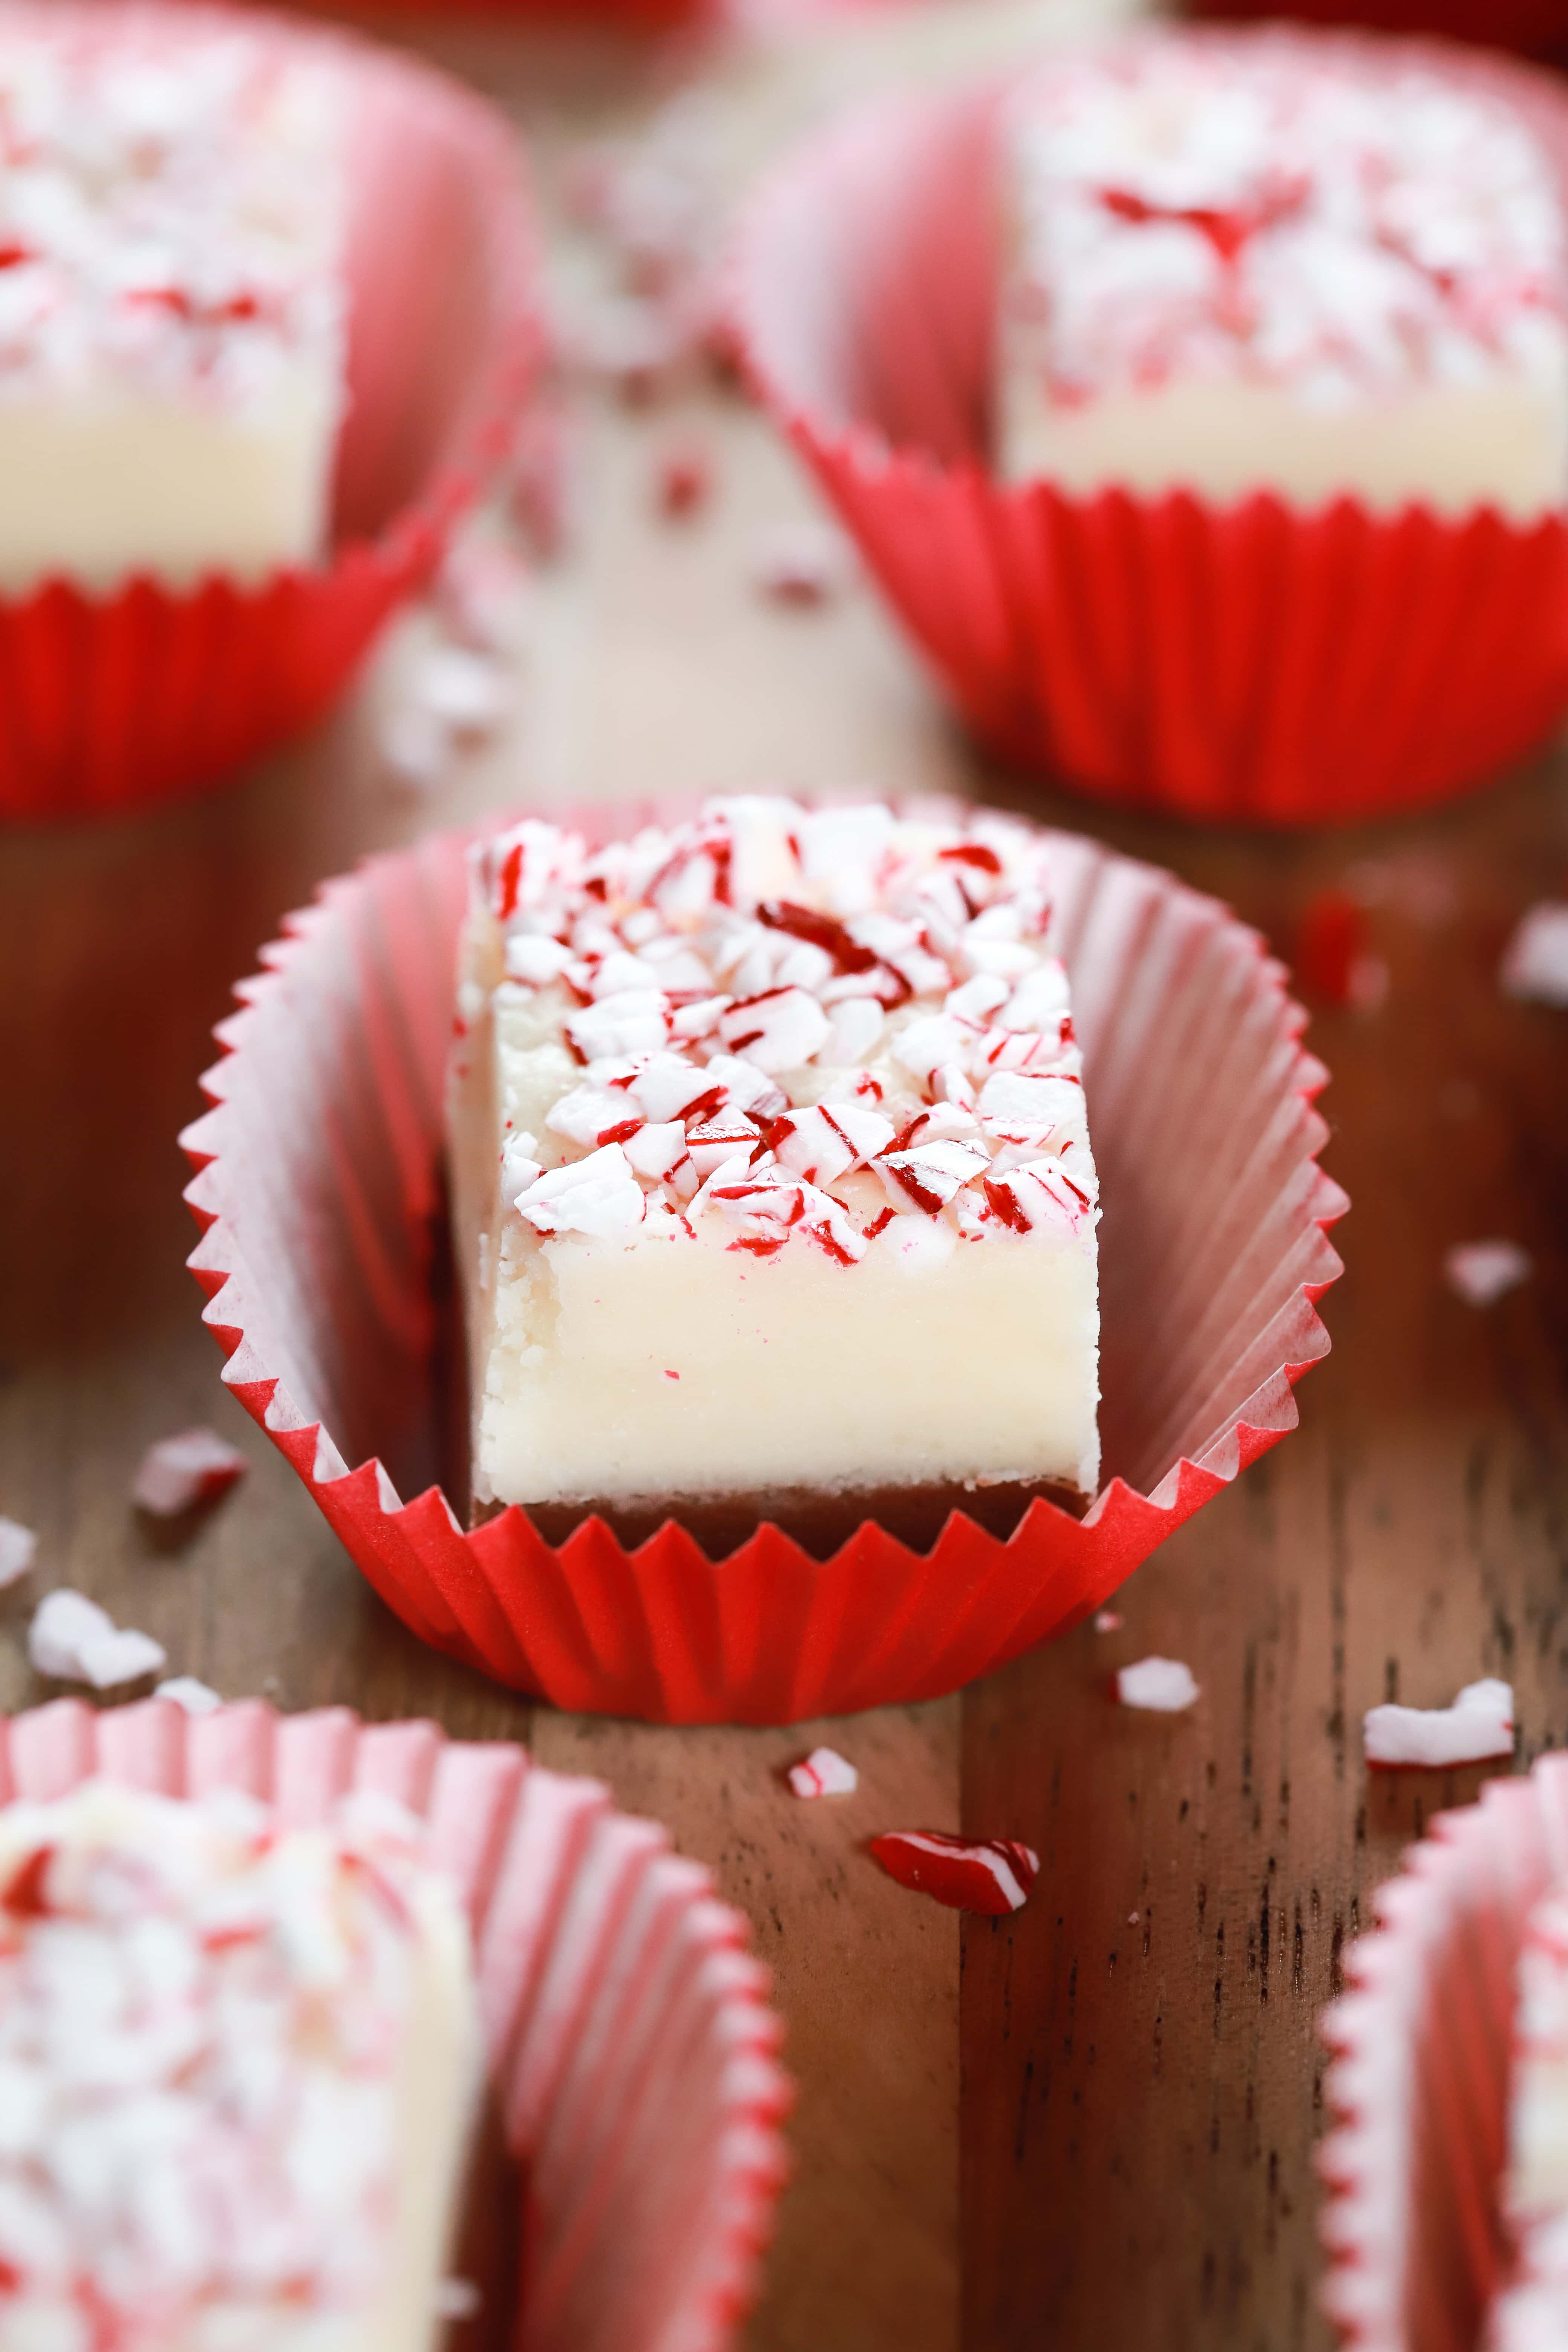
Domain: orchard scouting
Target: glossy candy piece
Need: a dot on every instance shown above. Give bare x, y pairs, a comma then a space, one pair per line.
992, 1875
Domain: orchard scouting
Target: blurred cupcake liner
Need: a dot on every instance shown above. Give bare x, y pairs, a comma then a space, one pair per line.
1536, 27
613, 1992
320, 1191
1249, 663
116, 701
1419, 2084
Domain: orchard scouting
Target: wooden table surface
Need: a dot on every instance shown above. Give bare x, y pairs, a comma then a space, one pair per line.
1079, 2127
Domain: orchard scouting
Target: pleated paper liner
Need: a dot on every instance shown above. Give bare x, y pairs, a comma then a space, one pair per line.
116, 701
1535, 28
318, 1192
632, 2051
1250, 663
1419, 2084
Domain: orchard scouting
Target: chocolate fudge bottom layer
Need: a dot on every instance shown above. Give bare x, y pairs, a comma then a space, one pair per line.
819, 1523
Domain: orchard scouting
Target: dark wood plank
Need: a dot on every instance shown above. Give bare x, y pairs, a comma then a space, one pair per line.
1142, 2095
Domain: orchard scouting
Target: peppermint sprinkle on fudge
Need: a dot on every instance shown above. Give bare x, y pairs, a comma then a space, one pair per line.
773, 1176
239, 2067
173, 301
1260, 264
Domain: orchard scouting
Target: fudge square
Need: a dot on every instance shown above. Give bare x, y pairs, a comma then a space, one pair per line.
1259, 265
773, 1183
239, 2066
172, 299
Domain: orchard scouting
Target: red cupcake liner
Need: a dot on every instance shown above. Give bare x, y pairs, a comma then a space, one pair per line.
631, 2048
118, 701
319, 1191
1419, 2084
1249, 662
1535, 28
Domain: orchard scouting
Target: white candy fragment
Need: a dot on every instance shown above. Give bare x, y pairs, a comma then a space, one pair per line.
196, 1698
1535, 962
416, 745
457, 2299
18, 1546
1107, 1621
802, 562
599, 1195
1164, 1686
75, 1641
460, 689
190, 1468
1479, 1724
824, 1773
1481, 1273
778, 1030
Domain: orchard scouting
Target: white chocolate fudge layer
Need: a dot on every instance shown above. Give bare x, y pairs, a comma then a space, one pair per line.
1231, 270
772, 1164
172, 223
237, 2074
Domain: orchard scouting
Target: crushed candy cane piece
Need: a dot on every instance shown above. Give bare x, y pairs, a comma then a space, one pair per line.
684, 481
193, 1468
1163, 1686
1535, 962
1481, 1273
18, 1547
824, 1773
1108, 1621
481, 596
457, 2299
461, 690
802, 562
195, 1697
75, 1641
992, 1875
414, 745
1479, 1725
1333, 962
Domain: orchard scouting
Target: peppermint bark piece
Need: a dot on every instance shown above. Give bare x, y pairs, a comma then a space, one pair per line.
1266, 264
173, 206
773, 1188
237, 2073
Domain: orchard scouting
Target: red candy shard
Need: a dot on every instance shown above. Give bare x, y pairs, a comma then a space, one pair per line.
27, 1893
992, 1875
1333, 962
684, 481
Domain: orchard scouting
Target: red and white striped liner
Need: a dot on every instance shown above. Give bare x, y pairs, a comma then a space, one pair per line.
114, 702
1419, 2084
1249, 663
632, 2049
319, 1189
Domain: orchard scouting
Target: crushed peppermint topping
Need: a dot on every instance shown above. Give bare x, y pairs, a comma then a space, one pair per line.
836, 1028
1257, 212
990, 1875
824, 1773
1481, 1273
18, 1548
1479, 1725
177, 1472
171, 207
1535, 963
202, 2023
195, 1697
75, 1641
1163, 1686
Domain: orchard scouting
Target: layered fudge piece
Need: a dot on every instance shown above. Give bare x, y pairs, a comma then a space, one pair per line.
236, 2073
1253, 266
172, 309
772, 1180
